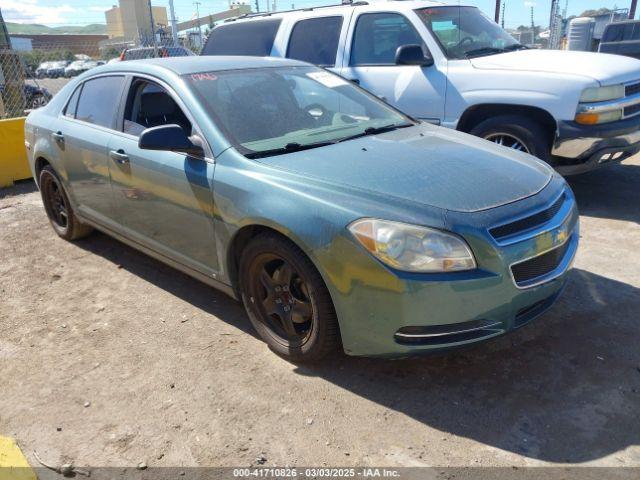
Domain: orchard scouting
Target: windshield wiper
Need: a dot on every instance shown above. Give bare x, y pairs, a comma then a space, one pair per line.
516, 46
376, 130
480, 52
288, 148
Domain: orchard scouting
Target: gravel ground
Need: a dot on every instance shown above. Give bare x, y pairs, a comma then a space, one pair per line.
109, 358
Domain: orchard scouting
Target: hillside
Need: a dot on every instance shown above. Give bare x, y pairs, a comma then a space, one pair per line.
36, 29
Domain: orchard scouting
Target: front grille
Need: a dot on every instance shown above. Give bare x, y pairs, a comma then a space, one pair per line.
527, 223
632, 89
632, 110
539, 266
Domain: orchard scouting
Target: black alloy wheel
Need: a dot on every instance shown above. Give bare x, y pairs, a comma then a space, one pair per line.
286, 299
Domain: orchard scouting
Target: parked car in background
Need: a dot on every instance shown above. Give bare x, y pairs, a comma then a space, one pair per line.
80, 66
337, 220
56, 69
34, 95
451, 65
41, 71
150, 52
621, 38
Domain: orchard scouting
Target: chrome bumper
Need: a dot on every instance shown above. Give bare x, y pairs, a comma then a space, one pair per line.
592, 146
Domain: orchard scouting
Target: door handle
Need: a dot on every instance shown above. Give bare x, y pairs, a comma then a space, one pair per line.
355, 80
58, 136
119, 156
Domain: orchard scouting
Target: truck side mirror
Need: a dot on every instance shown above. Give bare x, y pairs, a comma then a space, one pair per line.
413, 55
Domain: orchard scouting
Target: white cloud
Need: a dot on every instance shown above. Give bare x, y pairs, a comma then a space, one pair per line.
28, 11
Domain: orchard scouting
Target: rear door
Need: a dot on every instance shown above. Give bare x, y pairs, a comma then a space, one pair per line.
316, 40
163, 199
84, 133
370, 61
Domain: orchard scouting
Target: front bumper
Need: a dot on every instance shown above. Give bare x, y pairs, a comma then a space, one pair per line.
581, 148
394, 314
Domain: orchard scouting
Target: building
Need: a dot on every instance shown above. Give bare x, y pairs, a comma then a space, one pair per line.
76, 43
131, 21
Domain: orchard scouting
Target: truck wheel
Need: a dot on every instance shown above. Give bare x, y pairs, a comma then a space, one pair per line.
287, 300
516, 132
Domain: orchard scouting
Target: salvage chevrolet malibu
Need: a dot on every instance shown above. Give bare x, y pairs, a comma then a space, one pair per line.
336, 219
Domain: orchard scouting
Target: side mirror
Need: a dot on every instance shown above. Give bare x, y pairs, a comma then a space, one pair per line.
413, 55
170, 138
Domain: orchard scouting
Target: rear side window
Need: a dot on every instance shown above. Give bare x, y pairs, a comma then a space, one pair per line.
378, 36
621, 32
70, 110
246, 38
99, 101
315, 40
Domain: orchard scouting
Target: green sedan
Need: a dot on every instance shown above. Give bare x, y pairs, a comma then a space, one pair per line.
339, 221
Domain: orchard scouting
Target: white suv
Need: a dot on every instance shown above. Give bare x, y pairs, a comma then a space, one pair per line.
451, 65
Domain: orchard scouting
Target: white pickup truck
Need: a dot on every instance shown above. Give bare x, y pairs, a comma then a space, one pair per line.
451, 65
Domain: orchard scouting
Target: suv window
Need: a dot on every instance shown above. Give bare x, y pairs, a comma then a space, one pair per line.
315, 40
149, 105
621, 32
99, 100
377, 37
246, 38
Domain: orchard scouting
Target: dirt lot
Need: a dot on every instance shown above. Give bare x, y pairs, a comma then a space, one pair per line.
107, 357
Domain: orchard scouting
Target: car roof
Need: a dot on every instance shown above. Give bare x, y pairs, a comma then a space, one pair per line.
195, 64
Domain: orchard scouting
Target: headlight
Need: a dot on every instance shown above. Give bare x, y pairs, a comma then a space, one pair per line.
602, 94
593, 118
413, 248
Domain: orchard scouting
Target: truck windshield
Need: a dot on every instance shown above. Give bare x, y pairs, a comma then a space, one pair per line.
465, 32
273, 111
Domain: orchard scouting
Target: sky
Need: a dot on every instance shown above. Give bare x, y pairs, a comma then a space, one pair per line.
82, 12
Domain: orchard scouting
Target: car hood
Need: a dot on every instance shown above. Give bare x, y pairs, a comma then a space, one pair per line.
425, 164
601, 67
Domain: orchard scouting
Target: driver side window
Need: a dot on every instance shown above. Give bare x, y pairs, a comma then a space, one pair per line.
150, 105
377, 36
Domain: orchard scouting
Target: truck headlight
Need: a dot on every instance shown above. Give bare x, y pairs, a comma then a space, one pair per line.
413, 248
602, 94
596, 118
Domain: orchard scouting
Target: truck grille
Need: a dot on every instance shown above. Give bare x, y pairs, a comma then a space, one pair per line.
632, 110
527, 223
632, 89
539, 266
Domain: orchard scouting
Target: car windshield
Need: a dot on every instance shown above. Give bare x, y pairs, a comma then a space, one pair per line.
271, 111
466, 32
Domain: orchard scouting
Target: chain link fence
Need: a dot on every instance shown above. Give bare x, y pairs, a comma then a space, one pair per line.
35, 67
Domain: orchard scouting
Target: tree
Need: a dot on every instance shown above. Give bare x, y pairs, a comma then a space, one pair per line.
595, 13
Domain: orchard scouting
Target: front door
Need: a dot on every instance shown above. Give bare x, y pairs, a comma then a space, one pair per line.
370, 62
163, 199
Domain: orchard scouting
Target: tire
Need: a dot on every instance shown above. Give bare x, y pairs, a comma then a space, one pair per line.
529, 133
58, 208
37, 101
269, 263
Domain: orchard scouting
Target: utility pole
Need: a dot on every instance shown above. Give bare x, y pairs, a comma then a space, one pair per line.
153, 29
197, 4
632, 10
174, 24
497, 17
